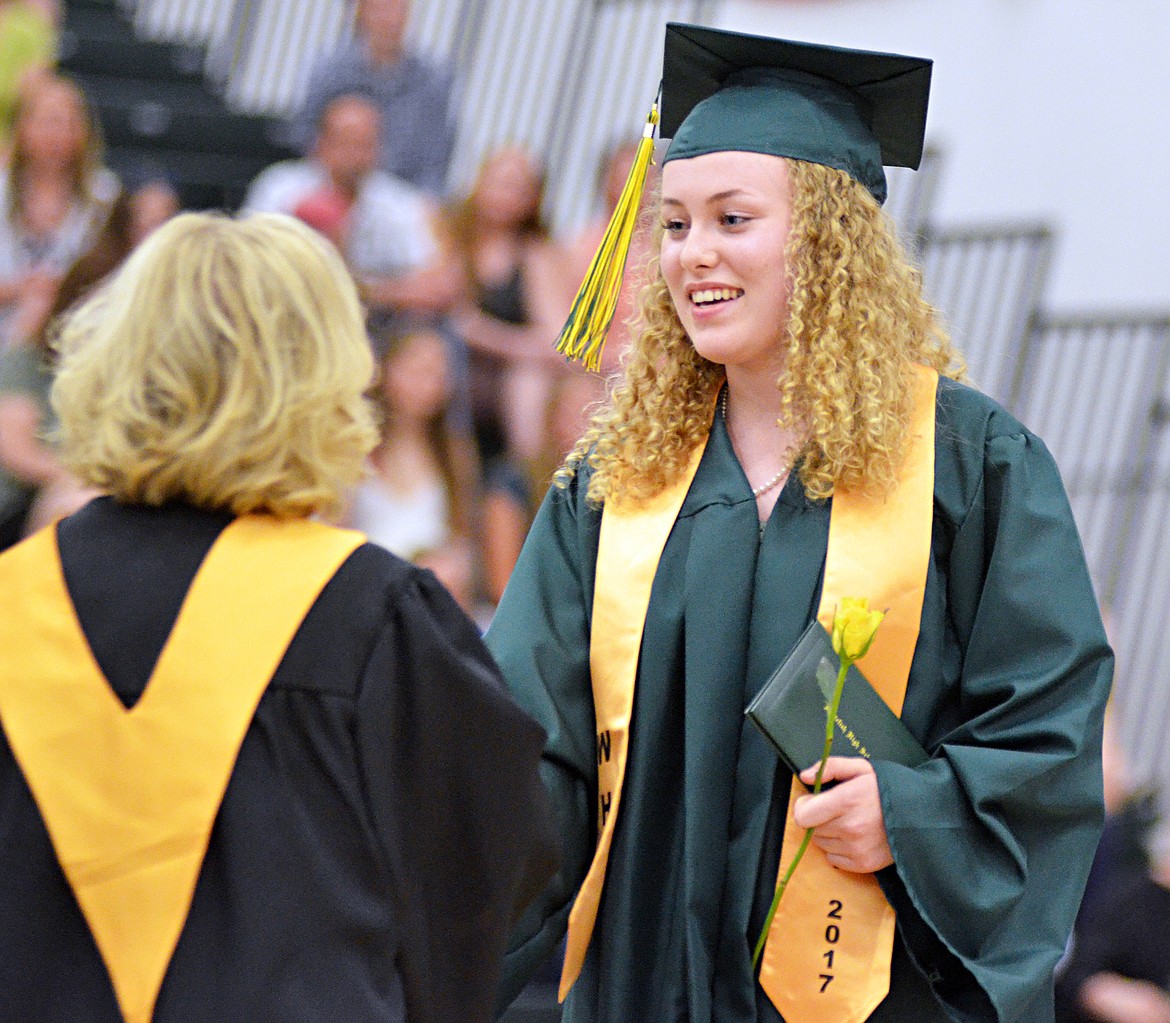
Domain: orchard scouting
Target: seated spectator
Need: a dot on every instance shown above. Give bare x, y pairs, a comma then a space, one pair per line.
34, 487
28, 48
1130, 815
412, 93
518, 294
574, 396
418, 500
54, 197
387, 230
1119, 967
506, 515
508, 503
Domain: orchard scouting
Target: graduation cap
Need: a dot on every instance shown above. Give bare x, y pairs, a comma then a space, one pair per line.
855, 110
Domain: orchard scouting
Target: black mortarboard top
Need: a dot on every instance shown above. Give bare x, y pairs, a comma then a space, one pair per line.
851, 109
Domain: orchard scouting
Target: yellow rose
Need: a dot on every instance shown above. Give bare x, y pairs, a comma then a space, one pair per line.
854, 627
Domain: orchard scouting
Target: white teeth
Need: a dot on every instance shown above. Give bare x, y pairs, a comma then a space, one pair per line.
715, 295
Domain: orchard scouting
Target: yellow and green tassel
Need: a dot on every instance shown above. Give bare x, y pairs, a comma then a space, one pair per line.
584, 333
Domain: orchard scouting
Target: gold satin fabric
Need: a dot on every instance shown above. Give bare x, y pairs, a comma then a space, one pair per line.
876, 549
129, 797
827, 957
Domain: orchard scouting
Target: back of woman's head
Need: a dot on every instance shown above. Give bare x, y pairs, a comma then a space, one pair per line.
223, 365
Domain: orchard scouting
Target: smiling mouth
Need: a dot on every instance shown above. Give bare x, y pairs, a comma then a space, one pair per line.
712, 296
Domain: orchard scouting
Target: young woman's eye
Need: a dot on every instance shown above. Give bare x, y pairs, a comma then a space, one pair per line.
673, 226
735, 219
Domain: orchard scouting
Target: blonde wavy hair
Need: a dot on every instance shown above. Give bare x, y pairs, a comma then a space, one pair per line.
857, 320
224, 365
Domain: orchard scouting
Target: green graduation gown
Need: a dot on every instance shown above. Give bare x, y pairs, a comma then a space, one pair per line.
992, 838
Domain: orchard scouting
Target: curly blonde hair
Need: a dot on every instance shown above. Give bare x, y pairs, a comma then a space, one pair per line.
857, 321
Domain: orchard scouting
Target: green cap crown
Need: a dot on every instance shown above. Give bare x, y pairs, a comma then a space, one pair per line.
855, 110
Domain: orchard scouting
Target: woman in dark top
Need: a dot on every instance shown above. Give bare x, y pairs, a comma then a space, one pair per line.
310, 798
1118, 969
517, 296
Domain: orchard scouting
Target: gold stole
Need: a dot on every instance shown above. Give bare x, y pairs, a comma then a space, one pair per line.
129, 796
877, 549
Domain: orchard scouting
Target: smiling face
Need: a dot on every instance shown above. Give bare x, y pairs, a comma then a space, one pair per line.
726, 218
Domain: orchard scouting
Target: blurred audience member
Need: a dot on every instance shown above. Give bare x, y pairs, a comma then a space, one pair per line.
28, 49
517, 300
508, 504
1119, 967
388, 231
574, 395
419, 499
612, 174
505, 516
412, 93
152, 204
1130, 814
34, 487
54, 196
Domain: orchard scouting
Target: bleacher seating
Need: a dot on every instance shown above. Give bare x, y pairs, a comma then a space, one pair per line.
988, 281
158, 113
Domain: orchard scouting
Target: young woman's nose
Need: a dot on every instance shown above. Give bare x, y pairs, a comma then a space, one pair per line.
698, 250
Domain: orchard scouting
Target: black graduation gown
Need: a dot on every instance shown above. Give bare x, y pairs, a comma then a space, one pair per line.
992, 839
382, 827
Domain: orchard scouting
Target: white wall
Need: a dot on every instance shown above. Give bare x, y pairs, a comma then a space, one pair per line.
1054, 110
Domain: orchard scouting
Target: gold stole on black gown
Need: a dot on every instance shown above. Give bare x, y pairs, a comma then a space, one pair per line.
129, 796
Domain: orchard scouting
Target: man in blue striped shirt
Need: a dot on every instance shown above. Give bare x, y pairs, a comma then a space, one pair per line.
413, 94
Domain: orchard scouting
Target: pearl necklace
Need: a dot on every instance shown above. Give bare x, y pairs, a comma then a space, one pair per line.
763, 488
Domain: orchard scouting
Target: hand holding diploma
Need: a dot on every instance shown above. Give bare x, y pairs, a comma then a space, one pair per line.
850, 829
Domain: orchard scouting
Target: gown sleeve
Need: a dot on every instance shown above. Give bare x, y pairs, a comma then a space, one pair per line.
993, 837
450, 766
540, 638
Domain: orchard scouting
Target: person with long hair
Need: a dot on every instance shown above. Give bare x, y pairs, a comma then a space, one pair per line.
516, 296
28, 49
55, 195
34, 485
792, 434
419, 499
252, 766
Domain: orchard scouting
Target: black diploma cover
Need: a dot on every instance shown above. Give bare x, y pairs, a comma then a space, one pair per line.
792, 706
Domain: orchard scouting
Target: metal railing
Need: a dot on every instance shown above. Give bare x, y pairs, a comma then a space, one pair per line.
987, 282
1096, 389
